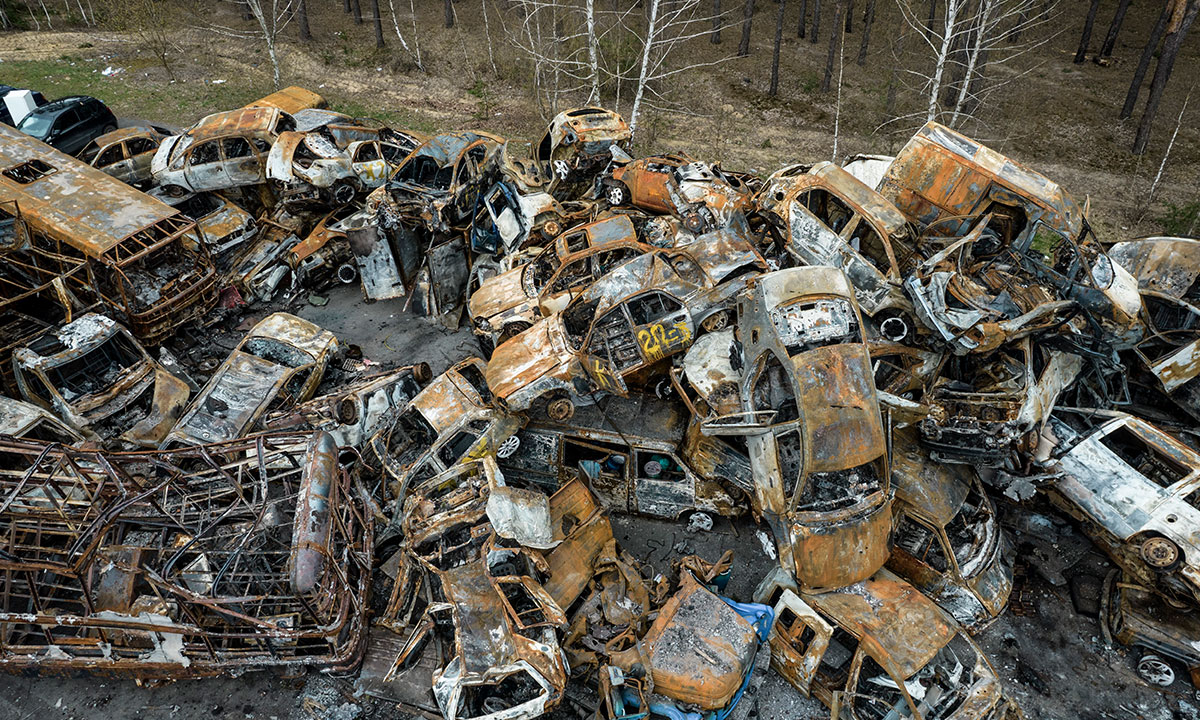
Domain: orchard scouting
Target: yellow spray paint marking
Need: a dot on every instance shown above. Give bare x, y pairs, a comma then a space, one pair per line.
657, 339
602, 374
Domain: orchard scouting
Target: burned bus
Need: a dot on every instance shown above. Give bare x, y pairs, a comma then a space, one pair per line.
104, 240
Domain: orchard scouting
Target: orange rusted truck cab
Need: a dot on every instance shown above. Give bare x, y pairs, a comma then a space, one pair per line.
812, 424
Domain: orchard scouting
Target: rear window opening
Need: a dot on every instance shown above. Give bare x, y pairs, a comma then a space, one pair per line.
524, 606
513, 691
805, 326
96, 370
1151, 462
277, 352
839, 489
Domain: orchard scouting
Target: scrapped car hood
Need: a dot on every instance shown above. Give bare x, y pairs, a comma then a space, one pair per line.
500, 293
842, 420
527, 357
247, 383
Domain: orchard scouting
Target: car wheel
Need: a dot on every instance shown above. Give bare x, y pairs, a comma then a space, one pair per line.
512, 330
508, 447
617, 193
175, 190
1154, 670
715, 322
343, 192
560, 409
108, 128
694, 222
1160, 553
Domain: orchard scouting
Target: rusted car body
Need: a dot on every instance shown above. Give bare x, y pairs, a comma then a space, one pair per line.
812, 425
166, 565
437, 185
981, 408
25, 420
291, 99
633, 454
308, 166
279, 363
222, 224
138, 255
125, 153
1137, 616
612, 336
945, 179
1133, 489
509, 303
510, 218
879, 649
948, 542
356, 411
579, 144
100, 380
829, 218
223, 150
704, 197
449, 421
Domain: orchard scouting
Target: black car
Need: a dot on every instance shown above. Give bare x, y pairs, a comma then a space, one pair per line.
5, 116
69, 123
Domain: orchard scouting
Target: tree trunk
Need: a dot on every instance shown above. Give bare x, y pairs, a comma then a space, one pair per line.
1114, 28
932, 19
849, 13
449, 13
868, 20
1015, 34
835, 43
346, 6
898, 40
378, 20
816, 26
939, 69
643, 74
1162, 73
302, 21
1086, 38
593, 54
356, 6
747, 16
718, 21
1139, 74
775, 55
803, 19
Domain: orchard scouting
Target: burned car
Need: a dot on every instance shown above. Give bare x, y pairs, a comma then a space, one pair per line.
579, 144
811, 421
983, 407
249, 555
943, 179
97, 377
615, 334
509, 303
827, 217
879, 649
704, 197
510, 218
223, 150
25, 420
633, 454
222, 224
308, 166
450, 420
437, 185
279, 363
1133, 488
948, 542
125, 153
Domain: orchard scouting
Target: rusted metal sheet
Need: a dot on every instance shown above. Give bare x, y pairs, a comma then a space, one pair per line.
291, 99
702, 196
168, 564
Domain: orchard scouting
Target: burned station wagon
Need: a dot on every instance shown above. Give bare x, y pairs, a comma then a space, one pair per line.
280, 362
811, 421
450, 420
1134, 490
223, 150
578, 144
509, 303
699, 193
880, 650
633, 454
125, 154
95, 375
310, 166
827, 217
614, 335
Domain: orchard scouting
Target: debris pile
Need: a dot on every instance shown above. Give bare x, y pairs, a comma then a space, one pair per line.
873, 362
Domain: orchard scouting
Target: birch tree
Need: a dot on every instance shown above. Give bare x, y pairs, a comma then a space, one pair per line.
271, 18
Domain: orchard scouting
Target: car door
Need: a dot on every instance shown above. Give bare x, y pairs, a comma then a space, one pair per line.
920, 555
662, 486
649, 187
203, 168
568, 281
140, 152
68, 135
662, 325
466, 180
242, 163
605, 466
799, 639
113, 161
611, 351
367, 163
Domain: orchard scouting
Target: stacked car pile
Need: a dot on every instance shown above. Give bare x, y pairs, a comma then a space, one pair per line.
861, 358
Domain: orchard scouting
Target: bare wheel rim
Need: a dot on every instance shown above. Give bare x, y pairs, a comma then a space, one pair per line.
560, 409
616, 195
508, 447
